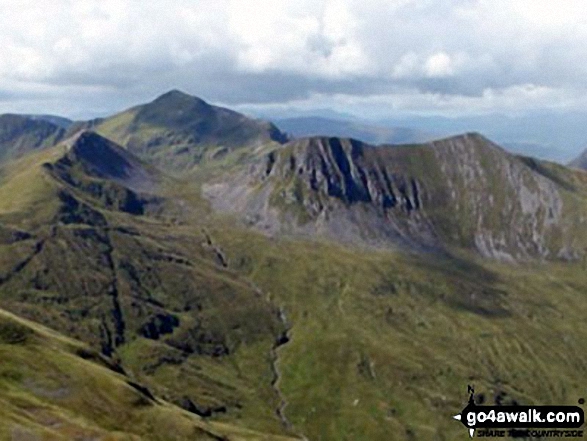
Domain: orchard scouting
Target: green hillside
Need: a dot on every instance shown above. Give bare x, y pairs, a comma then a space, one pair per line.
177, 131
20, 134
55, 388
320, 290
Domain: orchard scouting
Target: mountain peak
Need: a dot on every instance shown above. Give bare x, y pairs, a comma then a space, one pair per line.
452, 192
105, 159
176, 96
176, 130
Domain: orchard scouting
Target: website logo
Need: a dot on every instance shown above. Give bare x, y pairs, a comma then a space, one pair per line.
521, 421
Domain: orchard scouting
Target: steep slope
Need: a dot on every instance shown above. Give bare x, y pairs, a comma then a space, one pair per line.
313, 339
302, 127
176, 130
97, 264
101, 158
463, 191
56, 388
580, 162
20, 135
383, 345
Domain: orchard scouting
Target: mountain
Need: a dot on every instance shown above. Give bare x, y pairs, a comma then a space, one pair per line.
322, 289
101, 158
532, 149
318, 126
176, 130
463, 191
56, 120
97, 260
580, 161
20, 135
551, 135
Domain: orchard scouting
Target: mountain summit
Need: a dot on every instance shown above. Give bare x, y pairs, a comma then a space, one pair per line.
177, 130
103, 159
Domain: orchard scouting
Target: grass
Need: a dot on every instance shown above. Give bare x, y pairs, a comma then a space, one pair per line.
73, 398
27, 193
382, 344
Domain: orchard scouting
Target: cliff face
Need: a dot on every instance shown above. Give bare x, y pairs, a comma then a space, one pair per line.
463, 191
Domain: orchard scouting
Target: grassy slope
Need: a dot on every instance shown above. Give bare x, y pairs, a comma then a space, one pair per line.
27, 196
20, 135
382, 344
54, 388
61, 276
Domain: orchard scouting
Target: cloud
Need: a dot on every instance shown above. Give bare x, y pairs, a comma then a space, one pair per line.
94, 55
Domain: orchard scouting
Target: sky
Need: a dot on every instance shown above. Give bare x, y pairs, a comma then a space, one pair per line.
369, 58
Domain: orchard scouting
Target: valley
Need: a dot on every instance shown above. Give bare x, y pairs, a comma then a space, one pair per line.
206, 277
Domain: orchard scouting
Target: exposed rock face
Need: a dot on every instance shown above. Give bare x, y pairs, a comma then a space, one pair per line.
107, 173
463, 191
103, 159
340, 169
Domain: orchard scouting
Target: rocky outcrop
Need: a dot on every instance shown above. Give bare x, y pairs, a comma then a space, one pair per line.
463, 191
340, 169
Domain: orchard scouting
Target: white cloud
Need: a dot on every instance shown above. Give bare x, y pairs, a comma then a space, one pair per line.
479, 52
439, 65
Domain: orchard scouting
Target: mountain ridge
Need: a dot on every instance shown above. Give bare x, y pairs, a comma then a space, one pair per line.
457, 191
303, 127
21, 134
176, 130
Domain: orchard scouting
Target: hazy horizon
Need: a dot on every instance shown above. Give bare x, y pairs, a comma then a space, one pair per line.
377, 60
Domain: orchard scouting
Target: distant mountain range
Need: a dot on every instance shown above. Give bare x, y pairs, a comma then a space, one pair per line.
59, 121
317, 126
21, 134
180, 268
548, 135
